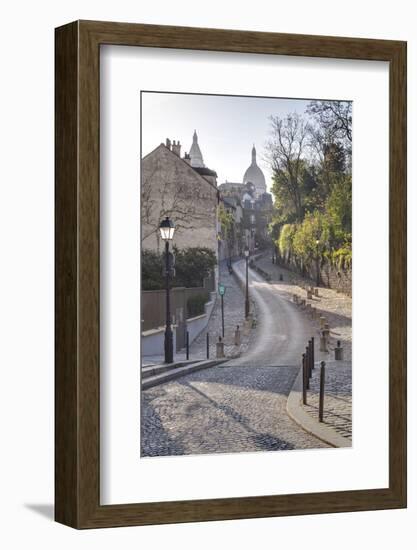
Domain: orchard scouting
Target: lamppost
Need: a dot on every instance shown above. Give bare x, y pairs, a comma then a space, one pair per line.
317, 264
247, 283
167, 228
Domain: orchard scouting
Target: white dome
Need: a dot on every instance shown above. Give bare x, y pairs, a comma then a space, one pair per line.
255, 175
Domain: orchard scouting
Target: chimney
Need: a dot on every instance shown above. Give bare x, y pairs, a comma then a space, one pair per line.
168, 144
176, 148
187, 158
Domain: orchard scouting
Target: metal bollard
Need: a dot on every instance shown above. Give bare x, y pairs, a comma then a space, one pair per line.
338, 352
187, 345
307, 354
304, 380
220, 348
208, 345
321, 399
312, 352
324, 338
316, 292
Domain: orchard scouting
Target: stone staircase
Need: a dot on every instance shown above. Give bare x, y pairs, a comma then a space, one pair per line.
154, 375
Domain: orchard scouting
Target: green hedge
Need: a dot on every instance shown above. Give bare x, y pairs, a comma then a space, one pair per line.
192, 265
195, 304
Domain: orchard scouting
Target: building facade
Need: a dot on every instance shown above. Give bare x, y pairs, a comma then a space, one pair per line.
251, 205
182, 188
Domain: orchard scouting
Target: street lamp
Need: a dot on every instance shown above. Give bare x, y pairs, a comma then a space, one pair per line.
247, 283
167, 229
317, 263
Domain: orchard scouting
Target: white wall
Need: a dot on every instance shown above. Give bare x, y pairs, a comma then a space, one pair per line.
26, 300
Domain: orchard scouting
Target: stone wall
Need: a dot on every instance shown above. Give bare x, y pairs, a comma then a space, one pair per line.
171, 186
338, 279
153, 307
330, 276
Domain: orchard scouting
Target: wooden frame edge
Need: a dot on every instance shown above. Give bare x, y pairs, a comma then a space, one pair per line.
77, 274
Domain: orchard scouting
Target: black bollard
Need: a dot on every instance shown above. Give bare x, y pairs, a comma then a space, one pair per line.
304, 380
321, 400
312, 352
187, 345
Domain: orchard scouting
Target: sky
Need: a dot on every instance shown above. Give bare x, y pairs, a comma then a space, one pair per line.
227, 127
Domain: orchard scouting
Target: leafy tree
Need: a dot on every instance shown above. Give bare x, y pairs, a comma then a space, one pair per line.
192, 265
310, 157
286, 240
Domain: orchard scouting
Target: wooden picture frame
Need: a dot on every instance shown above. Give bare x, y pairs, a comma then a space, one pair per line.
77, 382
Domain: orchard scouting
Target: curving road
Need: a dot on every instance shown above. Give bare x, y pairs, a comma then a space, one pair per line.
283, 331
240, 405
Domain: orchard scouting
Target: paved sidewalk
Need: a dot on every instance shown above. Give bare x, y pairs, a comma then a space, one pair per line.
336, 428
234, 314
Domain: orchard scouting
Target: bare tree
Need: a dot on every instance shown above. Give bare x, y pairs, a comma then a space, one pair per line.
334, 117
168, 195
285, 154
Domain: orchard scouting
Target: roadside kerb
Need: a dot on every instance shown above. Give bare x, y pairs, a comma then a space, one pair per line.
307, 422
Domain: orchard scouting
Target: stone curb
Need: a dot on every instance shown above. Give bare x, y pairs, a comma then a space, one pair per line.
302, 418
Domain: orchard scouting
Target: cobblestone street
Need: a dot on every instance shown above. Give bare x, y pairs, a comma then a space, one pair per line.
337, 308
223, 409
240, 405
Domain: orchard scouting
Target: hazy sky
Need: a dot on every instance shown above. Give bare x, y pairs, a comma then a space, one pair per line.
227, 127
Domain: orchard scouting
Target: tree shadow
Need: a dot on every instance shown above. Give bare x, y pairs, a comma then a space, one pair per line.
151, 424
277, 379
263, 441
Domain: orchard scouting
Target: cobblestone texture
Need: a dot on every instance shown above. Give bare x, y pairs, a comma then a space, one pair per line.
234, 315
337, 308
223, 409
241, 405
337, 410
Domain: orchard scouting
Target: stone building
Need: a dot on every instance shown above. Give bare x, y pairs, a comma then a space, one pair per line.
252, 204
182, 188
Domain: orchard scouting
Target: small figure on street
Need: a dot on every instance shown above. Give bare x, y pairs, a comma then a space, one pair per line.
338, 352
237, 336
220, 348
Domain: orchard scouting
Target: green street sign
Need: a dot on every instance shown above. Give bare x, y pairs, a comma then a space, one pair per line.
222, 290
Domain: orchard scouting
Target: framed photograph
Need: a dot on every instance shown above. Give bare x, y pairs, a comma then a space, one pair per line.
230, 274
